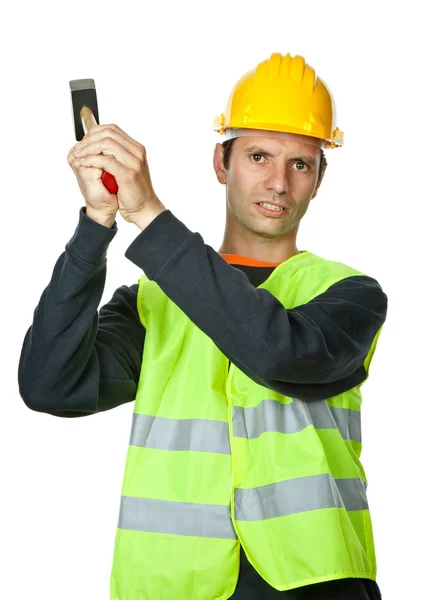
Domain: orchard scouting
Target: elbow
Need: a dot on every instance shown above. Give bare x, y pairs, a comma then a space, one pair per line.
53, 401
43, 404
31, 394
36, 397
41, 395
31, 400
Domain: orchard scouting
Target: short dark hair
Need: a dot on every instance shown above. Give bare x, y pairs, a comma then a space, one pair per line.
227, 152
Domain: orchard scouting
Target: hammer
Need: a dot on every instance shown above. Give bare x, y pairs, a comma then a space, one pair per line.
85, 114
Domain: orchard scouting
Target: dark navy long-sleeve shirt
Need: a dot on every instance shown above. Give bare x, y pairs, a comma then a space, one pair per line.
78, 360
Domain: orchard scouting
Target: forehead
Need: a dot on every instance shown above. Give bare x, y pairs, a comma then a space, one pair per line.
275, 146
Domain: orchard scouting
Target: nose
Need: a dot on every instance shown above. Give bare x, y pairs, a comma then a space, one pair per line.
277, 178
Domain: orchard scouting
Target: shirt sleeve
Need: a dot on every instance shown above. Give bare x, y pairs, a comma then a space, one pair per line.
76, 360
308, 352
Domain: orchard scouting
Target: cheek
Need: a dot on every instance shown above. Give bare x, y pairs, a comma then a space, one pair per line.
303, 186
239, 187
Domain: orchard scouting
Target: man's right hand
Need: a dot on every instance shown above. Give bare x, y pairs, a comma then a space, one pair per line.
101, 205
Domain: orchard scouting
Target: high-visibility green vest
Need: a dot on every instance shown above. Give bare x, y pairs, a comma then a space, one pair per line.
216, 460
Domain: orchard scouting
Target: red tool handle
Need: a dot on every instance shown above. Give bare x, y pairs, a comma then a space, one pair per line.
109, 182
88, 119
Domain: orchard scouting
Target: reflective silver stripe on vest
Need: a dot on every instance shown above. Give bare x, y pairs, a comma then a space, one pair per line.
272, 415
203, 435
266, 502
299, 495
179, 518
200, 435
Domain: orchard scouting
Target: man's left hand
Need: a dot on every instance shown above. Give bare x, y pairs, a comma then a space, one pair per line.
109, 148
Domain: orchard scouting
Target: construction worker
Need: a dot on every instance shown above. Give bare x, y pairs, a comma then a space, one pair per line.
242, 477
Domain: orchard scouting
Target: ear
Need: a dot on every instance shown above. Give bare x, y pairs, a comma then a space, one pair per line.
218, 164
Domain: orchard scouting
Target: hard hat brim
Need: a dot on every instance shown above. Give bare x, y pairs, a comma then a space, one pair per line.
232, 133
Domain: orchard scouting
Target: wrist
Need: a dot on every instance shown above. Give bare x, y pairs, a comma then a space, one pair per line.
143, 218
101, 218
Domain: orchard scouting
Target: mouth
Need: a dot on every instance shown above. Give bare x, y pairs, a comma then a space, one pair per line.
275, 212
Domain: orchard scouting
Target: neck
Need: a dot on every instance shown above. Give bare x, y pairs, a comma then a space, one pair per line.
259, 247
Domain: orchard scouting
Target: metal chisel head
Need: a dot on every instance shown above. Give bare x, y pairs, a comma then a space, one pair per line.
83, 93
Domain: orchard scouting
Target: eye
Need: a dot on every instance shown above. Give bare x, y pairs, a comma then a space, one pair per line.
300, 162
254, 156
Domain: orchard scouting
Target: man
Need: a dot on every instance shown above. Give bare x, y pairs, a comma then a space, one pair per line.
243, 477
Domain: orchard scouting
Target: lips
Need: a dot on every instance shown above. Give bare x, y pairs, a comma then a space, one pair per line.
274, 204
271, 212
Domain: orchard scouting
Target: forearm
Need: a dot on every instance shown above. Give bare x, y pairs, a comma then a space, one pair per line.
59, 366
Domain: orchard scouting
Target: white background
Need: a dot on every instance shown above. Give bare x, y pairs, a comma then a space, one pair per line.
163, 71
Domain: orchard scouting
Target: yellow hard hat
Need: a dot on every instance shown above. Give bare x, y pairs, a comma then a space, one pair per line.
282, 94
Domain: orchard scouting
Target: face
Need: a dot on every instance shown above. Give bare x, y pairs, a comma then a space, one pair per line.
263, 169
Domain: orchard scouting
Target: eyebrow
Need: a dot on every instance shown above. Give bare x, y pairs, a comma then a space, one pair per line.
310, 160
